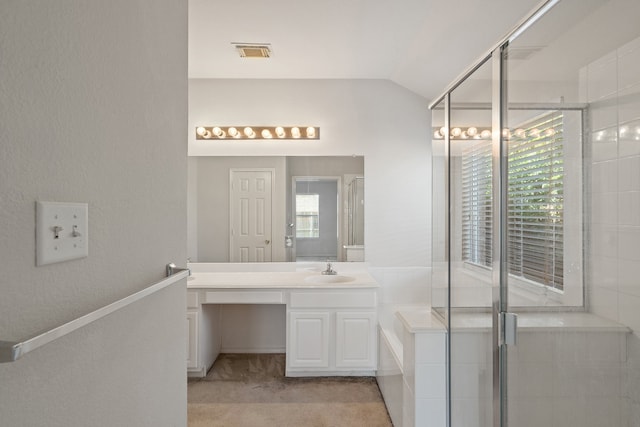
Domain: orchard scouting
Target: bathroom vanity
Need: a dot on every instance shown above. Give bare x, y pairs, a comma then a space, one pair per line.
330, 326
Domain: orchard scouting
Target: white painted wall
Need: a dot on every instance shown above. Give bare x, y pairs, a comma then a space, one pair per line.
386, 123
94, 103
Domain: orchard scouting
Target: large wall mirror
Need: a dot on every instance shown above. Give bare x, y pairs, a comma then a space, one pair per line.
276, 208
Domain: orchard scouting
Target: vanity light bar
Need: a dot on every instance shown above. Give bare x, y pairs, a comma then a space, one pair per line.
257, 132
472, 132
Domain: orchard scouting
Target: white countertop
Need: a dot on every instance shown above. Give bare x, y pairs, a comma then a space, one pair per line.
424, 321
276, 280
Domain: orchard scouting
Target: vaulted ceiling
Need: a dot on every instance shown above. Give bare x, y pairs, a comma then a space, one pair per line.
420, 44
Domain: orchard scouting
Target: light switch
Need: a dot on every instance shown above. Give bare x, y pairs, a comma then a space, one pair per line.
62, 232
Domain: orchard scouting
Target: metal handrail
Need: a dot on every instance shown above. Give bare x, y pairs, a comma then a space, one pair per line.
11, 351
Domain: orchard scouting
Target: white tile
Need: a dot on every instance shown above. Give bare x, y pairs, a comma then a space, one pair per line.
629, 277
602, 77
568, 411
532, 380
628, 68
607, 347
469, 380
604, 177
629, 174
603, 272
587, 380
533, 346
629, 208
409, 359
431, 381
604, 240
569, 347
431, 412
630, 145
629, 243
531, 412
605, 116
630, 311
634, 414
470, 347
408, 408
604, 208
629, 47
471, 412
430, 348
604, 411
604, 150
582, 85
628, 112
604, 302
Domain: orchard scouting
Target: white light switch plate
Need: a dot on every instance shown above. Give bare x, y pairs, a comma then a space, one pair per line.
62, 232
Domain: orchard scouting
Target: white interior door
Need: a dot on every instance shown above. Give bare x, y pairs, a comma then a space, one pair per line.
250, 215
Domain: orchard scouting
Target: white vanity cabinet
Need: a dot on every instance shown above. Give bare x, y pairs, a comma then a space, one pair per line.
331, 332
192, 329
203, 334
192, 339
330, 326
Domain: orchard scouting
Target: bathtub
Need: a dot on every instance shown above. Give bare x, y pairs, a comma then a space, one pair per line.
390, 374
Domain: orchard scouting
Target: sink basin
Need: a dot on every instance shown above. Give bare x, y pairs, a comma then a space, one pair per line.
330, 279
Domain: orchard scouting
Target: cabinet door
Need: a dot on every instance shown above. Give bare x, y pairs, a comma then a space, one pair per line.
308, 340
356, 340
192, 339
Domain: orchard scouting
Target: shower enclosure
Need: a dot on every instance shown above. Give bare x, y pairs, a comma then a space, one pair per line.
536, 223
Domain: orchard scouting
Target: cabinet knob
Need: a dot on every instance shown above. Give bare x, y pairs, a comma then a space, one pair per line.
266, 242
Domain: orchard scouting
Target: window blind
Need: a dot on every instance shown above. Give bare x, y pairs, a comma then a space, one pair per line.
535, 202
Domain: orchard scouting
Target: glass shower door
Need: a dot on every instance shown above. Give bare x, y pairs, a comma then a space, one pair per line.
572, 107
471, 265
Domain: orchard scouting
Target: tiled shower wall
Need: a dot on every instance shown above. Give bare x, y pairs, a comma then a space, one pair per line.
611, 87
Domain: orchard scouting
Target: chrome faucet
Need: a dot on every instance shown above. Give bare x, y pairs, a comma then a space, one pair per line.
329, 271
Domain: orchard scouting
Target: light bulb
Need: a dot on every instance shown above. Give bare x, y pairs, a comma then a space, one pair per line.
207, 134
486, 134
443, 130
266, 133
249, 132
233, 132
295, 132
200, 130
534, 132
280, 132
437, 134
311, 132
519, 133
506, 133
456, 131
217, 132
472, 131
464, 135
550, 132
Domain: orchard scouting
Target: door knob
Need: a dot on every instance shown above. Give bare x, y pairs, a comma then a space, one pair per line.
266, 242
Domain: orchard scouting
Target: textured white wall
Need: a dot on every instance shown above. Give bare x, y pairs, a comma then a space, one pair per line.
94, 103
386, 123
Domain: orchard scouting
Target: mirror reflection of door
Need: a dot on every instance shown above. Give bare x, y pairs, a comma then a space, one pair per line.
317, 221
250, 215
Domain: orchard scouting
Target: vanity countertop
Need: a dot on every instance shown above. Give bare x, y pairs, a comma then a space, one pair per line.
280, 280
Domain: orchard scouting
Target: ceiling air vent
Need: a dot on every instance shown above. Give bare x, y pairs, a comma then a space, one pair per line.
253, 50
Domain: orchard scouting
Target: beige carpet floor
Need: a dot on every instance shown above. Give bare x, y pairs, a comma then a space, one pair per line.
250, 390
